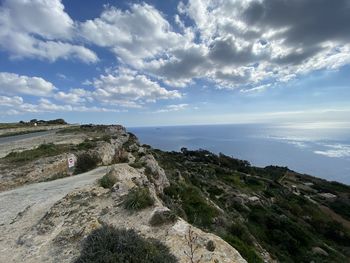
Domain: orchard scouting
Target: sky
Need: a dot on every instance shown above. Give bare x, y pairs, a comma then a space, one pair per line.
146, 63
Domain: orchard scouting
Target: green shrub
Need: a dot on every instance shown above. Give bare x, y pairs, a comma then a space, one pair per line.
111, 245
108, 180
247, 252
148, 170
210, 246
86, 162
214, 191
198, 210
43, 150
241, 232
136, 165
86, 145
107, 138
162, 217
138, 198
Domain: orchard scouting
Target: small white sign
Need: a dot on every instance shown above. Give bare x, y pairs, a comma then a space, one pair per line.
71, 161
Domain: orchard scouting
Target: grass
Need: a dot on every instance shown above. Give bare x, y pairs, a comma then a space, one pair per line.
163, 217
138, 199
108, 181
247, 252
44, 150
137, 165
86, 145
193, 203
13, 125
72, 129
112, 245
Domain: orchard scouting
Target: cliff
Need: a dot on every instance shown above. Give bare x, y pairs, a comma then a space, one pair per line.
49, 216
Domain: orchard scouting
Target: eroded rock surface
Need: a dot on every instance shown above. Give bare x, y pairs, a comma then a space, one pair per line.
54, 233
47, 222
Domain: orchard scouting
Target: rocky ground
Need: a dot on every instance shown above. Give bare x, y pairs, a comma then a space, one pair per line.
47, 222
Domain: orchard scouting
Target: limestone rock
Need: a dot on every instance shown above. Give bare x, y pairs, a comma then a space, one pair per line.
159, 178
106, 152
319, 251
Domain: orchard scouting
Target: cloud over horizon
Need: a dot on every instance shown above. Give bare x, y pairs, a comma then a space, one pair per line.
140, 54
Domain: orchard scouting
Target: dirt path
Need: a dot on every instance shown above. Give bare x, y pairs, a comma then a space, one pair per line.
14, 138
21, 208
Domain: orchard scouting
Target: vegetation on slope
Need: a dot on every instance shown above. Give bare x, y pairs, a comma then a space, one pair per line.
272, 207
112, 245
138, 198
43, 150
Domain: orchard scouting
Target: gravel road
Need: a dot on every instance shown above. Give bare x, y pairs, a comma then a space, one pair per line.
12, 139
32, 140
38, 197
22, 208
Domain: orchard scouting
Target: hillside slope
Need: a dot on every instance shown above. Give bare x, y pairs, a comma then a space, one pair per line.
268, 214
54, 221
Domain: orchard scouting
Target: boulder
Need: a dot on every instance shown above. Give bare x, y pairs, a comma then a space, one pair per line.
319, 251
157, 173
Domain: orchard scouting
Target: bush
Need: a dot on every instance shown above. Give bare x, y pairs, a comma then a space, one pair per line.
108, 180
107, 138
86, 145
198, 210
163, 217
210, 246
136, 165
247, 252
43, 150
85, 162
112, 245
138, 198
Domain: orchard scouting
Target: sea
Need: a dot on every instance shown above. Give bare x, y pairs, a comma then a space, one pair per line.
317, 151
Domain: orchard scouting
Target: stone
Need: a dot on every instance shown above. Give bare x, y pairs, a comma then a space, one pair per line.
319, 251
159, 178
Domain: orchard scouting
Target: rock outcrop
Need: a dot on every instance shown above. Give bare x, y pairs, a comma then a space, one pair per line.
156, 173
56, 235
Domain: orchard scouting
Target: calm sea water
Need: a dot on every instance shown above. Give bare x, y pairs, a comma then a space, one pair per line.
320, 152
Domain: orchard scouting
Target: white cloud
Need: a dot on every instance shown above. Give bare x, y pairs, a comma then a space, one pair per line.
44, 105
260, 88
232, 44
45, 18
127, 88
10, 101
39, 29
174, 107
14, 84
133, 35
335, 151
249, 41
74, 96
224, 44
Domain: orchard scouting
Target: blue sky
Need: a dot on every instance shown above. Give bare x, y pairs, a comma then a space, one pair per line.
144, 63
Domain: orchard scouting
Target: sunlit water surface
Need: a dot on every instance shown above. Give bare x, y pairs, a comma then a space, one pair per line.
322, 152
